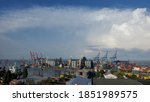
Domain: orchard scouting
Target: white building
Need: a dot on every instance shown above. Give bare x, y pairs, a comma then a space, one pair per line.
88, 64
14, 69
74, 64
79, 63
136, 69
110, 76
52, 62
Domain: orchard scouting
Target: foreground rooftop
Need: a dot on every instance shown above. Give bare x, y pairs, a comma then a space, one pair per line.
115, 82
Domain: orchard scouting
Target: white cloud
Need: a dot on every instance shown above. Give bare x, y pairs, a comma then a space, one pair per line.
108, 28
132, 31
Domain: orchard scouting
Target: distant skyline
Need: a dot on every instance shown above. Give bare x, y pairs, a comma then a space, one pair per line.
77, 28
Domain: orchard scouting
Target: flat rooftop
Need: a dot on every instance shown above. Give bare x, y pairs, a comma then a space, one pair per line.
115, 82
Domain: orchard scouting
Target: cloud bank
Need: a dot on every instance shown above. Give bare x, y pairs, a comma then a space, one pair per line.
71, 30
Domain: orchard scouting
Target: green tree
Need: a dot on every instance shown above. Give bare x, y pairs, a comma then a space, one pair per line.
102, 72
7, 77
133, 76
83, 62
98, 74
25, 73
91, 74
2, 73
120, 75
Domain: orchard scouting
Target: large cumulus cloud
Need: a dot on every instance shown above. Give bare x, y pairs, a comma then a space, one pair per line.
106, 28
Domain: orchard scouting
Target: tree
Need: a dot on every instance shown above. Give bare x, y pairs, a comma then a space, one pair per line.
102, 72
60, 61
98, 74
120, 75
2, 72
83, 62
91, 74
25, 73
133, 76
7, 77
92, 64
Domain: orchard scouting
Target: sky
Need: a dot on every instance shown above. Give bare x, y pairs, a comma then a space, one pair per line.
77, 28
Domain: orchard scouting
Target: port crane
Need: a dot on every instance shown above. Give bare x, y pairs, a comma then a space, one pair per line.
104, 58
114, 57
33, 57
97, 58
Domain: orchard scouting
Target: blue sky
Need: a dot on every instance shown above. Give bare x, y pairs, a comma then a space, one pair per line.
64, 28
5, 4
